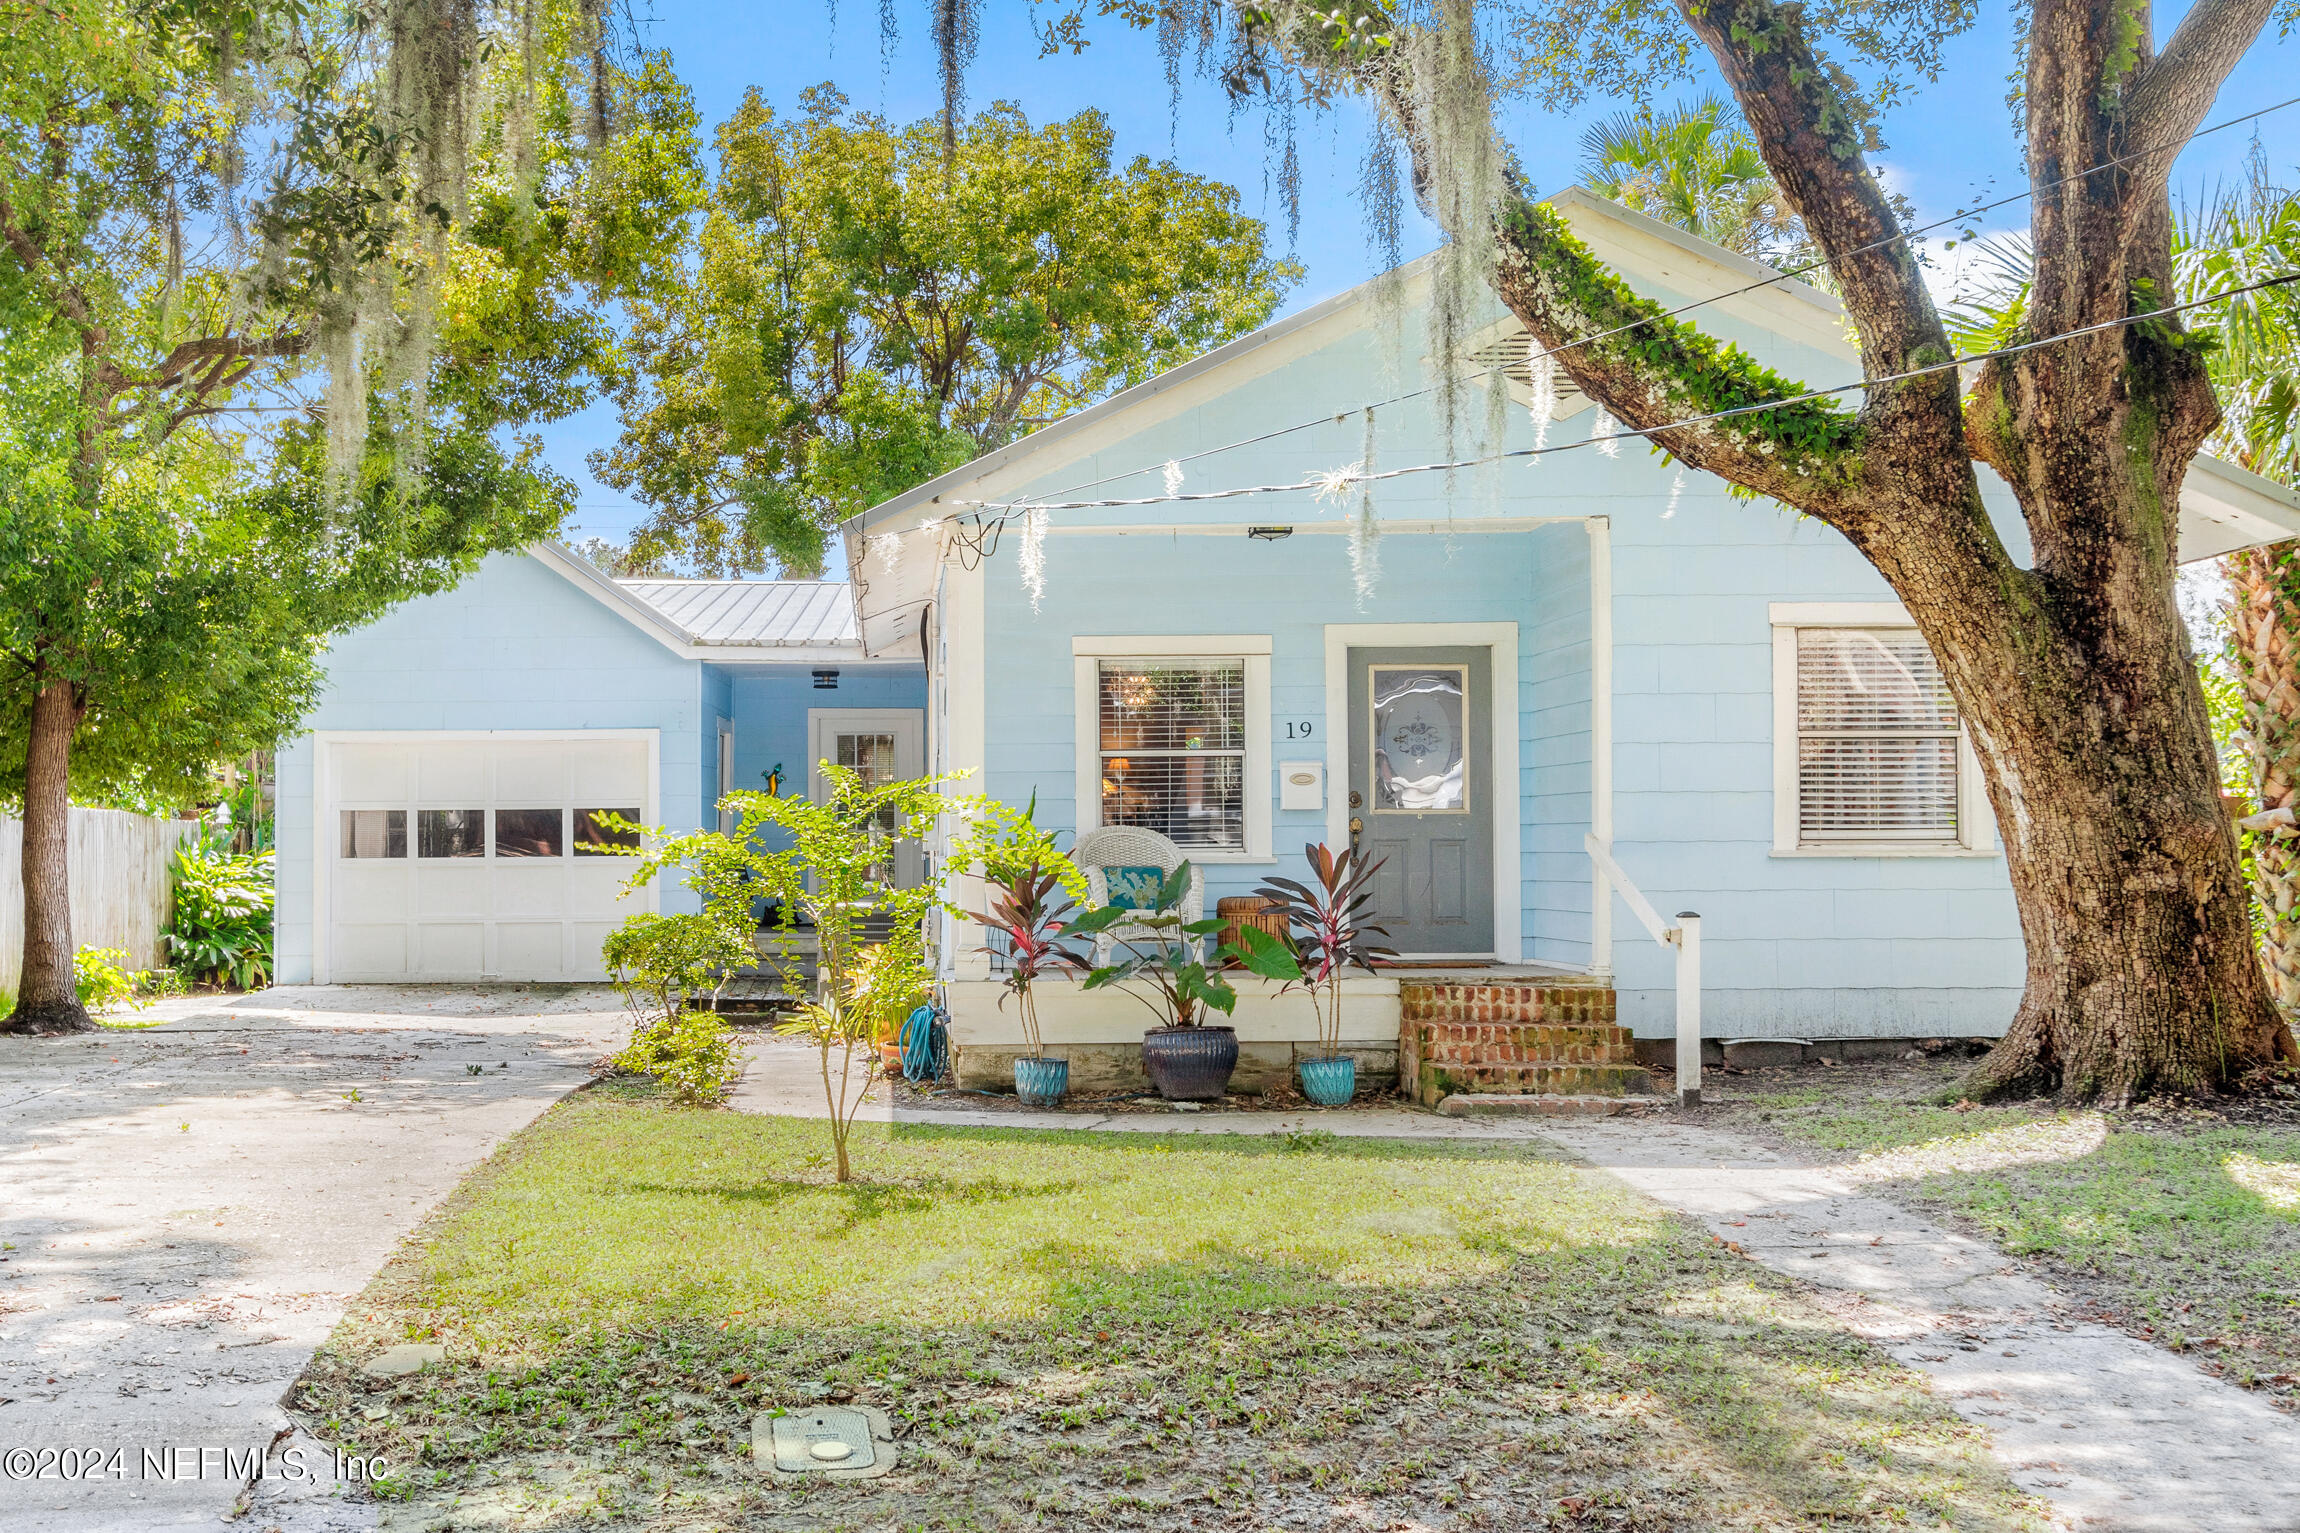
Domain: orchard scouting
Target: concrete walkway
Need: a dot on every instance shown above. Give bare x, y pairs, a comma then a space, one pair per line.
188, 1208
2118, 1435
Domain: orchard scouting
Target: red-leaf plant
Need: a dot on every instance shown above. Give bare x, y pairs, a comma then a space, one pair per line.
1332, 924
1033, 912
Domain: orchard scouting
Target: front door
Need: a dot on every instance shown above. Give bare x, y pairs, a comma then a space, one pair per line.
884, 745
1422, 799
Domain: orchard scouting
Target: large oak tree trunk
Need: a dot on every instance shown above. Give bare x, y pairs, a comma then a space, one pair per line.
46, 999
2097, 750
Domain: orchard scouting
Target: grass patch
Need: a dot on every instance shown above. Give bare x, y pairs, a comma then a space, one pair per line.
2182, 1225
1117, 1330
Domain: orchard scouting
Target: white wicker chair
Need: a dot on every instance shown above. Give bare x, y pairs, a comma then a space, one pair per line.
1130, 846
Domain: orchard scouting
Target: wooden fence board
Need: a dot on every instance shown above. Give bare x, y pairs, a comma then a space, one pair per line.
120, 892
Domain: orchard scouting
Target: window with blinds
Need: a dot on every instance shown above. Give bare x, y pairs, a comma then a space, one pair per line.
1877, 740
1173, 749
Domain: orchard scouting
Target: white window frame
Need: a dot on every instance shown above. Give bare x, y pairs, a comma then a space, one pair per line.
1087, 654
1976, 823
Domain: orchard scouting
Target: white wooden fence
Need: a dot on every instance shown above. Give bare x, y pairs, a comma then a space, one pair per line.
120, 894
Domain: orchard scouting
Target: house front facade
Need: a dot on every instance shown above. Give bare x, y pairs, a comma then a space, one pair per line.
1478, 677
437, 821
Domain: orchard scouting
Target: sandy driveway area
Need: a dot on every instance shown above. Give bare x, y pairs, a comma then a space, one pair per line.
185, 1210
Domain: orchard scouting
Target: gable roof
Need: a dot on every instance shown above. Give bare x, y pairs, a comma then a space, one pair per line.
792, 621
2223, 507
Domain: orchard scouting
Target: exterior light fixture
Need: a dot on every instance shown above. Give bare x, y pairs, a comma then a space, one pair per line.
1269, 534
826, 681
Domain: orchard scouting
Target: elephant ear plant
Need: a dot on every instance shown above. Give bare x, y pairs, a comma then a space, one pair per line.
1333, 922
1164, 968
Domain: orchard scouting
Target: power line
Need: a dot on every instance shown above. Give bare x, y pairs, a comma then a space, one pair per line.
1786, 276
1008, 509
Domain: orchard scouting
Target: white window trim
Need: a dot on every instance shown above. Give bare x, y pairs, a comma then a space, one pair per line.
1088, 651
1976, 823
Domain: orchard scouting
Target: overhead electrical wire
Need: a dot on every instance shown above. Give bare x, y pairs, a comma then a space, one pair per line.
999, 511
2168, 146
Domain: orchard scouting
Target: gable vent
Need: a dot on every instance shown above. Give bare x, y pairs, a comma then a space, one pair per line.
1509, 350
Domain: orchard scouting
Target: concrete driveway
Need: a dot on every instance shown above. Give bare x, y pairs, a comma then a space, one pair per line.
185, 1210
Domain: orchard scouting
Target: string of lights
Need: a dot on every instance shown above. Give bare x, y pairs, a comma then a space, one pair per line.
984, 513
1960, 218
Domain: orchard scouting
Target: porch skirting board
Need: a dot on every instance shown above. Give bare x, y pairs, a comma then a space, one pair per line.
1924, 1007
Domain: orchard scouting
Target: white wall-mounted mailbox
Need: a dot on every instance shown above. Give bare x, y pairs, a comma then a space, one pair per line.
1301, 785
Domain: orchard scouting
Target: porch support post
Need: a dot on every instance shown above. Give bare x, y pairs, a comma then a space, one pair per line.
1688, 940
1600, 737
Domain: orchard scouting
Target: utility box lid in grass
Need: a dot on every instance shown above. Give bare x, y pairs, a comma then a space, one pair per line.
845, 1442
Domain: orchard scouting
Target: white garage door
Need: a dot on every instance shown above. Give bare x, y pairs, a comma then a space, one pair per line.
477, 859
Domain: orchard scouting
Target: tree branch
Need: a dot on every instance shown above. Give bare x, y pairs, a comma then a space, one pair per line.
1812, 142
2167, 99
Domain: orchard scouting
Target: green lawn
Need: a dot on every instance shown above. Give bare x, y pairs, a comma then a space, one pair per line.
2181, 1225
1122, 1330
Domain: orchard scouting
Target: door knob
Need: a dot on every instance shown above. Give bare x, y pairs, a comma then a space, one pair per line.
1356, 825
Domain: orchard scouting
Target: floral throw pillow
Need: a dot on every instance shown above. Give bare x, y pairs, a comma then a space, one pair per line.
1134, 888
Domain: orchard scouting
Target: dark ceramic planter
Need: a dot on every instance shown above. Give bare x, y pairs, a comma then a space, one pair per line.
1330, 1082
1190, 1064
1041, 1082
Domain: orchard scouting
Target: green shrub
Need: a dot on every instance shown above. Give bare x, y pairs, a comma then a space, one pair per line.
100, 976
658, 962
160, 984
692, 1054
222, 929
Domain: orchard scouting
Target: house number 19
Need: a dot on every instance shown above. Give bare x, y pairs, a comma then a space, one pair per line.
1296, 731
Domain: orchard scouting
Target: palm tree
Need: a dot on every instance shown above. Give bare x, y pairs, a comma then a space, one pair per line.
2236, 239
1694, 166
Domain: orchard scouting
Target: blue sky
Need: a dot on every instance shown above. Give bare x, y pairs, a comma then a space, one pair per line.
1948, 147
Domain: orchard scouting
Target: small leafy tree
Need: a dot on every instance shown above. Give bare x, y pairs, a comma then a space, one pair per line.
831, 871
1334, 921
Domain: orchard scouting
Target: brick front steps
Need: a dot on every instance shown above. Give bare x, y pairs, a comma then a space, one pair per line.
1541, 1040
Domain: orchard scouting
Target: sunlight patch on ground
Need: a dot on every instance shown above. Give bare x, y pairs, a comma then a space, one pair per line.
2275, 1183
2015, 1144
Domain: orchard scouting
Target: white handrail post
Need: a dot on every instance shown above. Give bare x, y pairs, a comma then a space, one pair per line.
1688, 1008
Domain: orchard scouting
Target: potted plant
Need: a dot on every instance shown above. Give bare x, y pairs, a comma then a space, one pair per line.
1028, 906
1188, 1058
1334, 920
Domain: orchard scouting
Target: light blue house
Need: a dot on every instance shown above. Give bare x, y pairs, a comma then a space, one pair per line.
1585, 644
435, 823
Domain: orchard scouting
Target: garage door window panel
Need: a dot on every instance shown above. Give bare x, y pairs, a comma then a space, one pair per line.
530, 832
374, 833
595, 836
451, 833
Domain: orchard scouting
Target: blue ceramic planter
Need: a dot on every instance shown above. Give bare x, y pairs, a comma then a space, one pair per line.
1330, 1082
1041, 1082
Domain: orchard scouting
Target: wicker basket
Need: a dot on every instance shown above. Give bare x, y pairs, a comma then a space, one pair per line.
1248, 910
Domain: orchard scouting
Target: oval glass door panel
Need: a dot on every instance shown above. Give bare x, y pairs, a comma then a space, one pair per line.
1419, 733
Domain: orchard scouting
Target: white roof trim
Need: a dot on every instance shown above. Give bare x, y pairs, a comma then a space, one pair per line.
2224, 508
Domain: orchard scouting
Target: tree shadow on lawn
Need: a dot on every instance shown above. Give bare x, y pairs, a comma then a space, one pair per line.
865, 1200
1550, 1352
